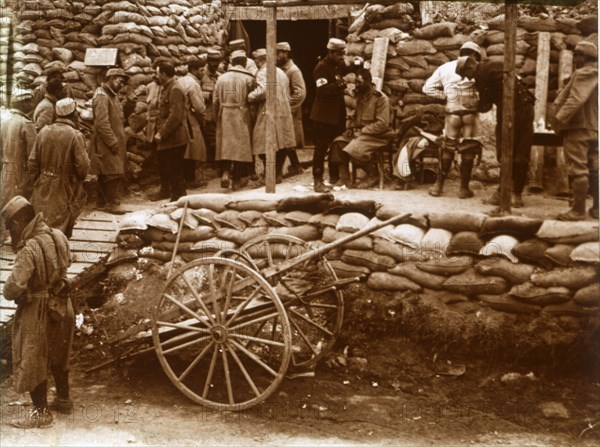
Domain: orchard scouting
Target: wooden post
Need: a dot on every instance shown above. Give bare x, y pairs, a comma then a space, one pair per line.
427, 11
378, 60
508, 107
565, 69
536, 182
271, 92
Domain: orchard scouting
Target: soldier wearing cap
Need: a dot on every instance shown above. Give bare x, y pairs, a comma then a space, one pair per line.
44, 112
208, 81
173, 134
109, 144
240, 44
40, 345
59, 164
297, 95
284, 124
328, 111
488, 78
576, 116
461, 108
234, 126
53, 75
17, 136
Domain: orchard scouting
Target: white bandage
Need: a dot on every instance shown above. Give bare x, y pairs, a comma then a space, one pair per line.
321, 82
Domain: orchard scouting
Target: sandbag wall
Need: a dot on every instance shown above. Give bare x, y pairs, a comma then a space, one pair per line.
415, 53
510, 264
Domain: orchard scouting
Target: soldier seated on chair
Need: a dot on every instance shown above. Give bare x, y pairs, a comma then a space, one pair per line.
369, 132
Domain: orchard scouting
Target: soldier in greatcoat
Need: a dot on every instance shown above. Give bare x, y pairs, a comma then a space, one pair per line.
234, 126
210, 74
108, 141
40, 344
59, 164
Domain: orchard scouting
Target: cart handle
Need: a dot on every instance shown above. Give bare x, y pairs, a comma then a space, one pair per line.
274, 270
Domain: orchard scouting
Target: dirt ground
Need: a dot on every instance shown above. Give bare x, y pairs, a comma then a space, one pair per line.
386, 391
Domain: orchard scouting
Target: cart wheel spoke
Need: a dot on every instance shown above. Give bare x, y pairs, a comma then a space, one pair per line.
185, 308
254, 321
214, 293
244, 372
228, 291
183, 327
196, 361
243, 306
258, 340
304, 338
185, 345
198, 299
311, 322
211, 371
255, 358
227, 377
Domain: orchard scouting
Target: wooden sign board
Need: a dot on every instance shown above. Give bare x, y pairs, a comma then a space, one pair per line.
101, 57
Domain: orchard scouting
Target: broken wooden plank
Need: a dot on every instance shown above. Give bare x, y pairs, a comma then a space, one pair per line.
378, 60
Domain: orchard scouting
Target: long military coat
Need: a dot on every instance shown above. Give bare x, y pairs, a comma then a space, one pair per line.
108, 140
194, 107
297, 97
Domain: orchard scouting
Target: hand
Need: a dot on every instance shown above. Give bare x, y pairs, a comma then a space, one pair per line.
157, 137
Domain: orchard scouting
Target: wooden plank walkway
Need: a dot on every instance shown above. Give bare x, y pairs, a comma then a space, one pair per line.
93, 237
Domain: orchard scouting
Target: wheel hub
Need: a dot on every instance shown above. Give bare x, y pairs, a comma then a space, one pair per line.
219, 334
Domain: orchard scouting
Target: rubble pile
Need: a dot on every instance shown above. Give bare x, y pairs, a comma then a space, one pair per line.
512, 264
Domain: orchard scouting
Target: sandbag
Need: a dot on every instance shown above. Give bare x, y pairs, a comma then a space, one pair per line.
570, 308
324, 220
167, 246
570, 277
304, 232
153, 235
447, 266
189, 222
517, 226
229, 219
397, 62
213, 245
505, 303
135, 221
540, 295
298, 217
420, 73
343, 270
312, 203
560, 254
387, 281
366, 207
587, 252
214, 202
253, 204
277, 219
249, 217
533, 251
408, 234
436, 59
415, 47
387, 212
560, 232
436, 240
398, 85
373, 261
418, 276
472, 283
150, 252
588, 296
513, 273
199, 233
163, 222
397, 10
465, 243
364, 243
352, 222
404, 24
241, 237
500, 246
457, 221
430, 32
204, 216
401, 253
450, 43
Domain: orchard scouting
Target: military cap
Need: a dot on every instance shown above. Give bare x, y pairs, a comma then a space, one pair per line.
237, 44
587, 48
116, 72
336, 44
471, 46
464, 243
54, 72
261, 52
65, 107
213, 55
283, 46
238, 53
14, 205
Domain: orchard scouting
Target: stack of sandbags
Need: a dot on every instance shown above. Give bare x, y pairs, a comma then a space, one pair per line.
9, 47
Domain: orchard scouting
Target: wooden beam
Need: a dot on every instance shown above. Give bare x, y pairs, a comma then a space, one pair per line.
536, 178
565, 69
378, 60
427, 12
508, 107
301, 12
271, 93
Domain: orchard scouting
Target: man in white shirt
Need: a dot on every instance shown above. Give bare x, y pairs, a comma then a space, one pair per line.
461, 103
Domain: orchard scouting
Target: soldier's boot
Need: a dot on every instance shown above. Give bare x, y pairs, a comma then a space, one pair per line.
580, 190
447, 157
593, 211
113, 205
345, 179
466, 168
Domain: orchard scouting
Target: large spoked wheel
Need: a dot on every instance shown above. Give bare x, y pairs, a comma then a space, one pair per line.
315, 312
221, 334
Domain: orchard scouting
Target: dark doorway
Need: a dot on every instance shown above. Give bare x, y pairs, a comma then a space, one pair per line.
308, 39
